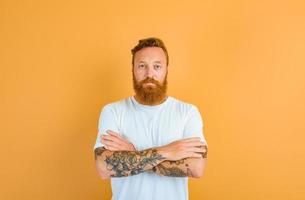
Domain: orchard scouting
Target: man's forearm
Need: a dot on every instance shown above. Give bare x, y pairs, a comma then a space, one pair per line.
187, 167
125, 163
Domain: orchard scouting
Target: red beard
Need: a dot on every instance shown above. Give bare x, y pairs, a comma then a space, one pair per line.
150, 94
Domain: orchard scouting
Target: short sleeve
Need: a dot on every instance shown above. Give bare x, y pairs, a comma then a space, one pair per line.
194, 125
107, 121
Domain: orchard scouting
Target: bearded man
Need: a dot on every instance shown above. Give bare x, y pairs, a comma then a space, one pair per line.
150, 143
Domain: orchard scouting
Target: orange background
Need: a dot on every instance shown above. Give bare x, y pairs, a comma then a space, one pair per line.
241, 62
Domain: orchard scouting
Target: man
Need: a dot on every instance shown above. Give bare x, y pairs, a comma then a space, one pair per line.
150, 143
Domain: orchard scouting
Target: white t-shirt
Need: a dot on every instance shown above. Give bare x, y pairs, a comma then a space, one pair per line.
146, 127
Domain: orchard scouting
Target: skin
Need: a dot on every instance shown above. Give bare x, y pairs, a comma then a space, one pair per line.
125, 163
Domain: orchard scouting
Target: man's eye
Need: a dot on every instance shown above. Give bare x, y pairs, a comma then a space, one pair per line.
140, 66
157, 66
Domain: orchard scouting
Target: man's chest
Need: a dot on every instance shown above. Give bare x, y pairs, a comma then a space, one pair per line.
146, 130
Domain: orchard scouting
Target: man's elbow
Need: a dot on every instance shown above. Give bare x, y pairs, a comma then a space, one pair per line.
100, 163
200, 169
197, 174
103, 176
101, 170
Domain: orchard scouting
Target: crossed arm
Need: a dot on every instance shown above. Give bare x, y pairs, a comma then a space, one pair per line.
119, 158
191, 167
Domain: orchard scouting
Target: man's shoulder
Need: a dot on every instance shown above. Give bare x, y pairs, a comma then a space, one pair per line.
117, 103
183, 104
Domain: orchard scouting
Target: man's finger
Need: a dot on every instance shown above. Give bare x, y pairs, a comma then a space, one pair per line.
112, 148
110, 143
114, 134
198, 150
113, 139
195, 143
195, 155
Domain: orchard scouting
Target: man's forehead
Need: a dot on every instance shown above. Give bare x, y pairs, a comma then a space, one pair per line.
150, 53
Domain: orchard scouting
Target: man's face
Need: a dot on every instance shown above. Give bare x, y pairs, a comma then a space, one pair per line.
150, 75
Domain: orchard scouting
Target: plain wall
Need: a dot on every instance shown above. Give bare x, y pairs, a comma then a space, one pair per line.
241, 62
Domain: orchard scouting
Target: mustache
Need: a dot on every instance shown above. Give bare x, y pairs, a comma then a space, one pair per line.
150, 80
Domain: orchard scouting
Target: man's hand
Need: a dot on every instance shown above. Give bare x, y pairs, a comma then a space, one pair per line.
114, 142
185, 148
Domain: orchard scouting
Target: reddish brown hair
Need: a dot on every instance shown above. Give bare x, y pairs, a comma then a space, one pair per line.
149, 42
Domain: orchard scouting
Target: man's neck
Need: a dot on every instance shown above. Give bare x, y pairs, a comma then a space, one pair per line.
150, 104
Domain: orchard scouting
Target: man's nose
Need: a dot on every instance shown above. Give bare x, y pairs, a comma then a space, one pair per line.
150, 72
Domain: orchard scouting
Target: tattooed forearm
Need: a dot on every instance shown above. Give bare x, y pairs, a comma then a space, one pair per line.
180, 168
173, 168
126, 163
